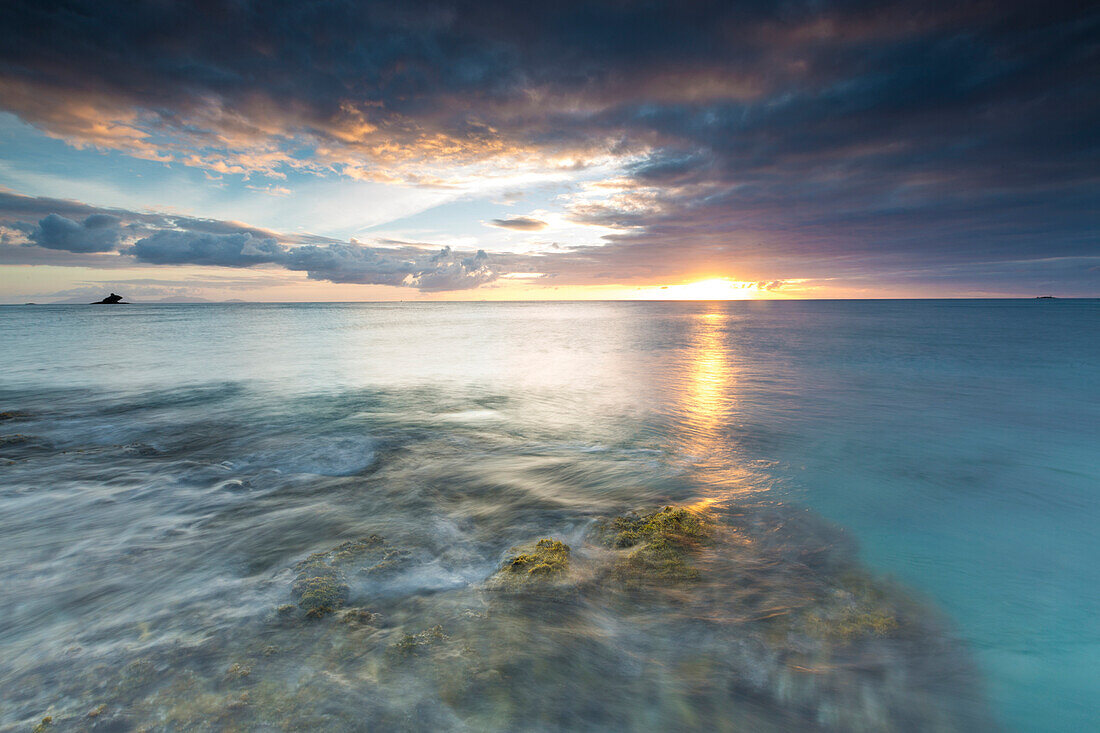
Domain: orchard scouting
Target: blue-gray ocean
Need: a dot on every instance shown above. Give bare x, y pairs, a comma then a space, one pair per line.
901, 502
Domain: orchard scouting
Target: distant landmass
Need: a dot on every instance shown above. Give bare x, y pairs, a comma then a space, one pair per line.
170, 299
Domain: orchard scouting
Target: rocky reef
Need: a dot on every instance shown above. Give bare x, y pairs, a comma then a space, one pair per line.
321, 586
728, 618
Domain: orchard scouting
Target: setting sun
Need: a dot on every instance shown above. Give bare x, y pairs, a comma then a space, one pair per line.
718, 288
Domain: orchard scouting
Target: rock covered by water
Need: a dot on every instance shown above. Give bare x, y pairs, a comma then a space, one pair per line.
734, 618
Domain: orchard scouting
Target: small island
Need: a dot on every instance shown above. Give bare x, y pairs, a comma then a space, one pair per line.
111, 299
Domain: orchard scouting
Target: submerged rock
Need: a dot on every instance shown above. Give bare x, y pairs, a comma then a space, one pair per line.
320, 587
322, 584
17, 445
736, 618
410, 645
359, 618
682, 619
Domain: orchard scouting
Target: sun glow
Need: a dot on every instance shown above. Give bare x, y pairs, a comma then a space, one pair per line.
718, 288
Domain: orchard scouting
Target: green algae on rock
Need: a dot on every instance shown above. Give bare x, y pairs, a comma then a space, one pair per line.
541, 565
656, 560
359, 618
547, 557
411, 645
660, 544
675, 524
857, 607
321, 586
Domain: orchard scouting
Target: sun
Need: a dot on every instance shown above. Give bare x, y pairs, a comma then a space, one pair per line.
717, 288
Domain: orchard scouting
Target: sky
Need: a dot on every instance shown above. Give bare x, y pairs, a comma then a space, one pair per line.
346, 151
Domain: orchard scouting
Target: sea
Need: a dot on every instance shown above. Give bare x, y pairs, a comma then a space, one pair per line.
778, 515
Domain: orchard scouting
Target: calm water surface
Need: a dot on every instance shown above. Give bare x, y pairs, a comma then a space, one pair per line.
165, 468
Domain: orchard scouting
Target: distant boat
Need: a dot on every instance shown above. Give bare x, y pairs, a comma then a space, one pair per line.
111, 299
1045, 297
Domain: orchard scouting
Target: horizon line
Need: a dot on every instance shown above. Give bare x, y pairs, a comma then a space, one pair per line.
564, 300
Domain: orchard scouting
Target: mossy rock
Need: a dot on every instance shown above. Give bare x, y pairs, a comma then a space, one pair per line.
414, 645
857, 607
656, 560
850, 624
660, 544
547, 557
353, 550
359, 618
321, 586
544, 564
676, 525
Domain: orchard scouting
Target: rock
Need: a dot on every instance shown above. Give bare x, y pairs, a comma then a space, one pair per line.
547, 557
359, 618
411, 645
321, 586
111, 299
660, 544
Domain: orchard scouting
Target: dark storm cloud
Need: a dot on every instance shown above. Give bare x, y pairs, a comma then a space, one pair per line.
519, 223
883, 134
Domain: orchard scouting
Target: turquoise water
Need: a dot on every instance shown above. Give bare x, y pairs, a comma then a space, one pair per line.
167, 465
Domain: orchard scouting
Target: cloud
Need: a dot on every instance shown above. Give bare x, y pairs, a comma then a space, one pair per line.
640, 255
408, 266
96, 233
335, 262
164, 239
825, 137
519, 223
380, 92
173, 247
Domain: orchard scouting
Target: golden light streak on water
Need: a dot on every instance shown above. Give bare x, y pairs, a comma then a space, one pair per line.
708, 401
